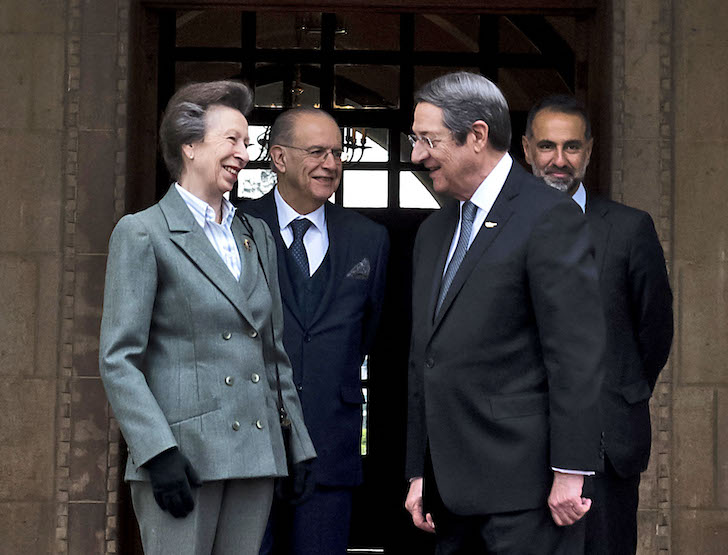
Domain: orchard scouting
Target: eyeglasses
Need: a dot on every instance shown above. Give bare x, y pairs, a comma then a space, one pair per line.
319, 153
430, 143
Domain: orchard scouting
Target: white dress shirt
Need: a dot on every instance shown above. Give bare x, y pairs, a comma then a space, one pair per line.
316, 239
579, 197
483, 198
219, 234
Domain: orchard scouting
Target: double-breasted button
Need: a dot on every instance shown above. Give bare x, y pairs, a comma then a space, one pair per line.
253, 334
430, 362
226, 335
236, 425
307, 338
229, 380
255, 378
259, 424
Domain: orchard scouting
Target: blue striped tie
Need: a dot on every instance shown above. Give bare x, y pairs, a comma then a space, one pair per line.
298, 250
466, 228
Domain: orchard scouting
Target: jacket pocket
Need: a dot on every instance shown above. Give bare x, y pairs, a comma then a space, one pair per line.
180, 414
352, 395
511, 406
636, 391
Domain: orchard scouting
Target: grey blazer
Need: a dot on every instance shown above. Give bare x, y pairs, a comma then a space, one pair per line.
187, 353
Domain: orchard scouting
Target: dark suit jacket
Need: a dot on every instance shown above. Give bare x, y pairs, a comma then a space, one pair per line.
327, 354
504, 383
638, 311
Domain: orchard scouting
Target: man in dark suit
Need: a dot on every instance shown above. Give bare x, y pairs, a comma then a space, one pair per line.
637, 308
507, 336
331, 265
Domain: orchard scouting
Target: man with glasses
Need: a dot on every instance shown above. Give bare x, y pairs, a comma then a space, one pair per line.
507, 335
331, 266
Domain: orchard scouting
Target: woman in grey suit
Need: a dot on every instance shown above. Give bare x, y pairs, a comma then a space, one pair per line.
191, 352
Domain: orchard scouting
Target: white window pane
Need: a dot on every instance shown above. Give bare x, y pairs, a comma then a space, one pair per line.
256, 133
365, 189
413, 193
255, 183
373, 140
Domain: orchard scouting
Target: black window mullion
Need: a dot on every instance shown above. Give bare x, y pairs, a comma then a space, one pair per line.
488, 46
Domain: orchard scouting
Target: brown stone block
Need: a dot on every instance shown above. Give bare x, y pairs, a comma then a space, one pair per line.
39, 16
86, 525
646, 532
697, 532
701, 107
95, 215
700, 21
702, 323
640, 171
31, 171
19, 301
97, 108
99, 17
88, 299
49, 271
27, 437
722, 446
15, 81
693, 447
47, 80
88, 440
27, 528
700, 228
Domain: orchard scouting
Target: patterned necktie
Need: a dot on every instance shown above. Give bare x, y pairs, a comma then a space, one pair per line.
298, 250
466, 227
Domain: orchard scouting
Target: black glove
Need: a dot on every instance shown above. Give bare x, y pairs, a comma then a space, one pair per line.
172, 475
298, 486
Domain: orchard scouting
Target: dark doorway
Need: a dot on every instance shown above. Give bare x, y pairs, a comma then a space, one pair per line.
363, 67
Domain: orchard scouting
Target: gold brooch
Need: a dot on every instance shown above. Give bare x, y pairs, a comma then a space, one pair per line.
246, 244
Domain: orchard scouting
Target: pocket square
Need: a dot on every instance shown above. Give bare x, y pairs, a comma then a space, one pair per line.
360, 270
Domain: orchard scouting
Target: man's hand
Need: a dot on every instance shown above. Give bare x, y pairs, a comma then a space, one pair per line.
565, 500
172, 478
413, 504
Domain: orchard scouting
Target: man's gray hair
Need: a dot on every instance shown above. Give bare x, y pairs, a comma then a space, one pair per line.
184, 119
465, 98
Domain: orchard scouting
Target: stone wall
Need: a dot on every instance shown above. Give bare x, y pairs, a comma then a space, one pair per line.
63, 90
700, 276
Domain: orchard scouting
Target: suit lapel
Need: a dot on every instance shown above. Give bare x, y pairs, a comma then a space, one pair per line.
499, 214
186, 233
339, 243
600, 228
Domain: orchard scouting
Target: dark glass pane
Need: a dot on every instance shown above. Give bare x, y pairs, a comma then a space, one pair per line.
190, 72
423, 74
512, 40
288, 30
367, 86
447, 33
284, 86
523, 87
367, 31
210, 28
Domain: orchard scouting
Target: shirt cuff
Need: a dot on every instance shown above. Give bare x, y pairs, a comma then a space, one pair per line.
580, 472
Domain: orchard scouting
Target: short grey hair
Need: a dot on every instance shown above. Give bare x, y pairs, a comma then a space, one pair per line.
184, 118
465, 98
284, 127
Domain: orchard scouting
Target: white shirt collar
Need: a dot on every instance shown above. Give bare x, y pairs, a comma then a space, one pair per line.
486, 193
203, 212
286, 214
579, 197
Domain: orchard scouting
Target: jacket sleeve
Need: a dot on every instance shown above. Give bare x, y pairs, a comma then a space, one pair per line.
129, 294
651, 299
564, 288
